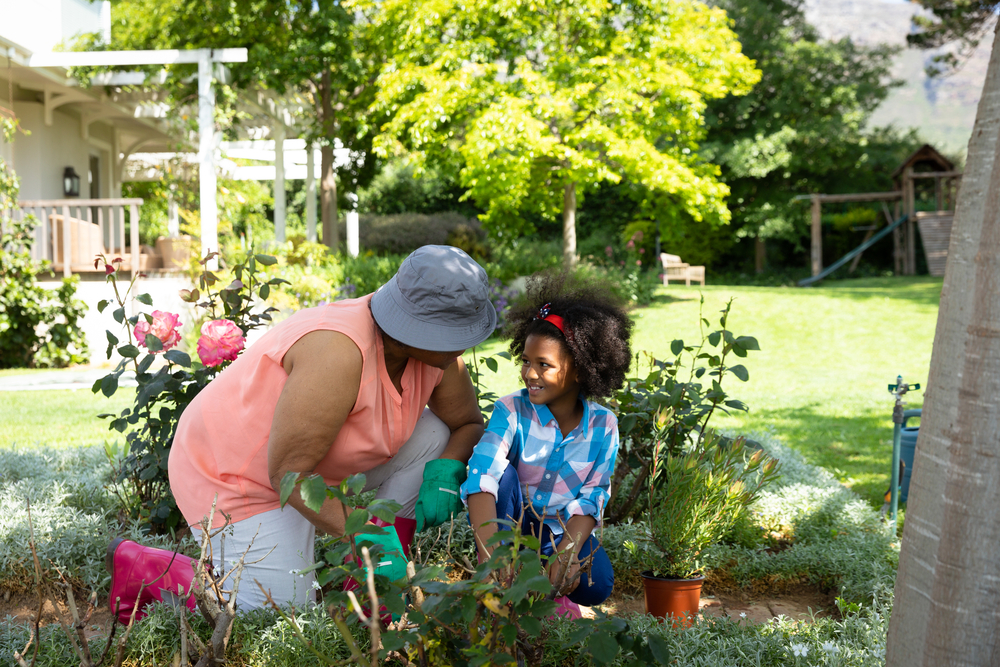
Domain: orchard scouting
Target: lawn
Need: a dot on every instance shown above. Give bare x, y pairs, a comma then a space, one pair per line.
818, 384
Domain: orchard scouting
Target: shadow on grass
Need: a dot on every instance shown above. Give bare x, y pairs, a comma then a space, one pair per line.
923, 290
857, 449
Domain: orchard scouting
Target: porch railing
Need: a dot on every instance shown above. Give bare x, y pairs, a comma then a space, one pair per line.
70, 233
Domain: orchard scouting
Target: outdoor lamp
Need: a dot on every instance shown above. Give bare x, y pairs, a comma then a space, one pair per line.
71, 182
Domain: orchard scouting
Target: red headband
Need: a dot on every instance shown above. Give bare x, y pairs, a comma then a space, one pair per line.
544, 314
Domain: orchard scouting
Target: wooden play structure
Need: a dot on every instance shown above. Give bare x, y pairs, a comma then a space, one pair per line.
926, 174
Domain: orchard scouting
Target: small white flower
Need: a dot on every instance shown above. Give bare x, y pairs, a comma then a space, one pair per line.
831, 648
316, 585
800, 650
743, 614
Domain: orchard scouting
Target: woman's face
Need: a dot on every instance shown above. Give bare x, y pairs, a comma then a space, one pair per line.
440, 360
548, 371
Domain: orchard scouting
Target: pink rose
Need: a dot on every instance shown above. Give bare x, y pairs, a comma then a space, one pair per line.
221, 340
608, 251
630, 244
165, 326
638, 262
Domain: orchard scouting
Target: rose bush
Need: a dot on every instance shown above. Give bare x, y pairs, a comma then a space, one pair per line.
141, 471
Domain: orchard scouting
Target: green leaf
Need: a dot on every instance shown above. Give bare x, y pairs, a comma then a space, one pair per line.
119, 315
659, 648
714, 338
748, 343
144, 298
102, 304
313, 492
603, 647
109, 385
355, 521
287, 486
153, 344
676, 347
531, 625
740, 371
491, 363
112, 339
129, 351
266, 260
96, 387
178, 357
144, 365
265, 291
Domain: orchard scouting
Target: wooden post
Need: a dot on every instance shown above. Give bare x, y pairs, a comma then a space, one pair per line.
938, 194
760, 255
910, 262
817, 238
66, 242
136, 251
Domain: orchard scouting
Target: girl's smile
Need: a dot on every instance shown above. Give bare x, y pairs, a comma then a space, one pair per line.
549, 374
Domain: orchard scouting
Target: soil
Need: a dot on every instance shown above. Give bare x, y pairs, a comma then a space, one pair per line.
799, 603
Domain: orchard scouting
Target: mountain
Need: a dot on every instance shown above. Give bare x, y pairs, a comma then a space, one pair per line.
941, 108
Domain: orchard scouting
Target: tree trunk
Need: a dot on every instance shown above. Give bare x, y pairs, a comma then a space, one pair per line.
328, 180
569, 225
949, 571
759, 255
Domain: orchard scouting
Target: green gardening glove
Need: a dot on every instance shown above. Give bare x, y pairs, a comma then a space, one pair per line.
390, 563
440, 497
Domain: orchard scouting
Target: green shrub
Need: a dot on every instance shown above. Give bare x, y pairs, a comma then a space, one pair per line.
405, 232
366, 273
38, 327
838, 540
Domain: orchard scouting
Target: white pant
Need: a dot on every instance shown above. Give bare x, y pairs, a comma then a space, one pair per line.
284, 541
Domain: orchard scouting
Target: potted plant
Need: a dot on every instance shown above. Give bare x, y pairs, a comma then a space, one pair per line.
695, 496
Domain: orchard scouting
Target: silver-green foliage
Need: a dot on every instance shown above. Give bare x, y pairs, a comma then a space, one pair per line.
72, 515
839, 540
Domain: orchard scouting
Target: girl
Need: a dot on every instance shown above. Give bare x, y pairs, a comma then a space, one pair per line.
551, 437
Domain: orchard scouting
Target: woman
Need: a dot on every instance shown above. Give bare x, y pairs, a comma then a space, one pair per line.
373, 385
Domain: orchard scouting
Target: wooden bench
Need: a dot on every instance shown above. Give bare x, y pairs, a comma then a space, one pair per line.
676, 270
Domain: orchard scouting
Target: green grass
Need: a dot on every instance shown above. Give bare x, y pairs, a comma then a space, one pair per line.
58, 418
819, 383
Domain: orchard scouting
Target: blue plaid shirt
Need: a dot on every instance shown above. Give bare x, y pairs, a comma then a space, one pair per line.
564, 476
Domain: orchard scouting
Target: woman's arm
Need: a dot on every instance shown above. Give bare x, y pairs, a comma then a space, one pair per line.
454, 403
324, 376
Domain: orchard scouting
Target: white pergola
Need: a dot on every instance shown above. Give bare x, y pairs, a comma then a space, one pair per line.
206, 60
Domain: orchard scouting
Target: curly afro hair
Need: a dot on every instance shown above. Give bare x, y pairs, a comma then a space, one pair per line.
600, 331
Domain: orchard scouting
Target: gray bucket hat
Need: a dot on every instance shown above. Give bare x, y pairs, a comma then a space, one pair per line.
439, 300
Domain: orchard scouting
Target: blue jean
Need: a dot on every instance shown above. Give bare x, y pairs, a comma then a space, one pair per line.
594, 588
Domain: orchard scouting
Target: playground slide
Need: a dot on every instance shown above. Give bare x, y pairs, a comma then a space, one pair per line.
851, 255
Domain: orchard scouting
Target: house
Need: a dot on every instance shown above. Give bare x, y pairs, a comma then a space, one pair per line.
70, 156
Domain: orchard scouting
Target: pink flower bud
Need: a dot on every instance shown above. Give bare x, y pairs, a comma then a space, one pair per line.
165, 326
221, 340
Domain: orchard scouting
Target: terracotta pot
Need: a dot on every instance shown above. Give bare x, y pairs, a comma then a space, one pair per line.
675, 598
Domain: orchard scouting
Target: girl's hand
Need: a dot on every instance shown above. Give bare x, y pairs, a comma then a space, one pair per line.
564, 571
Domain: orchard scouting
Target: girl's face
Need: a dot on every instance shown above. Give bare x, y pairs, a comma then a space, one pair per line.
548, 372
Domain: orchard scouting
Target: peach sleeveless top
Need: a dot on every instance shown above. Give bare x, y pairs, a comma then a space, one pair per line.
221, 441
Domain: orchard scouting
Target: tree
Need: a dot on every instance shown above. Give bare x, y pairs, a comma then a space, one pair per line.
803, 127
533, 103
945, 599
310, 47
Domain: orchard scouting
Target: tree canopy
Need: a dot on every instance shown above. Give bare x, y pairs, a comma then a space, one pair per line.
803, 127
533, 103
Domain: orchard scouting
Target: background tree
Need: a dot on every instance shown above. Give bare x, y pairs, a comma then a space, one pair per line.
944, 611
803, 128
532, 104
313, 48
